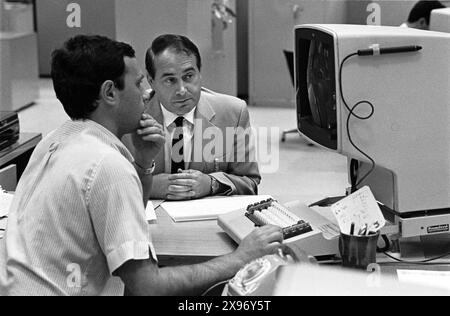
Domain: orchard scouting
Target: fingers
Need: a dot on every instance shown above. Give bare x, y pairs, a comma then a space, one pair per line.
151, 130
271, 233
181, 196
180, 176
154, 139
179, 189
184, 182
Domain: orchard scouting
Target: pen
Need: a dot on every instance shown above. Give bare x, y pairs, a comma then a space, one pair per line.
352, 229
363, 230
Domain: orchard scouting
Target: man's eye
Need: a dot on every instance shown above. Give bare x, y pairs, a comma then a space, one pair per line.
170, 81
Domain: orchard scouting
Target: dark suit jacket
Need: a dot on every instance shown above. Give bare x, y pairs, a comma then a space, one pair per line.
220, 146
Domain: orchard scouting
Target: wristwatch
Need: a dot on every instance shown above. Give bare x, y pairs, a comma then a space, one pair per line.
146, 171
215, 185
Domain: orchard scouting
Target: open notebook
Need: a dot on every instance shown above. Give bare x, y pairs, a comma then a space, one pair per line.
209, 208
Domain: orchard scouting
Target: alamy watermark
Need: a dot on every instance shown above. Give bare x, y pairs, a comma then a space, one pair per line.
233, 145
74, 18
73, 279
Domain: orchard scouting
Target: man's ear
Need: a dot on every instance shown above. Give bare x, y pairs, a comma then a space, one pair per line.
423, 24
108, 92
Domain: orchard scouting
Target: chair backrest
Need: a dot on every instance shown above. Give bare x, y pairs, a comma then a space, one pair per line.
8, 178
289, 55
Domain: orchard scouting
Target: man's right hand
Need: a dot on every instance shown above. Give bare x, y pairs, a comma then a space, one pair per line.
262, 241
148, 140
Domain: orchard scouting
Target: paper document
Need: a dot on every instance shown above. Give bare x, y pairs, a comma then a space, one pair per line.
209, 208
5, 203
436, 279
150, 212
360, 210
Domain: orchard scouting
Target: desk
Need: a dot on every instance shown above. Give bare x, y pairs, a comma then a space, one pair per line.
19, 153
188, 242
194, 242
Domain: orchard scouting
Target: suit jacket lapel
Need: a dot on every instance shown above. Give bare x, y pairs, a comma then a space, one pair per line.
204, 114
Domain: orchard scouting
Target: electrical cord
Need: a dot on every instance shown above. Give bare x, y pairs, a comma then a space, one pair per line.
214, 286
422, 262
352, 113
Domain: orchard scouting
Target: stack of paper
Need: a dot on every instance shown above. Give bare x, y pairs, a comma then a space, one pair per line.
150, 210
209, 208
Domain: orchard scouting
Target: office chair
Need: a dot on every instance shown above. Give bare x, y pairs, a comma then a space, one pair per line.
289, 55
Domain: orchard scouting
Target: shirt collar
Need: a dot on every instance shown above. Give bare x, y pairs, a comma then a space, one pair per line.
170, 117
104, 134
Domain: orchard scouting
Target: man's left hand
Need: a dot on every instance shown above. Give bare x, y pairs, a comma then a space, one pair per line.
199, 184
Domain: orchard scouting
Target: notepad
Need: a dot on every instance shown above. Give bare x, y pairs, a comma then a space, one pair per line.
209, 208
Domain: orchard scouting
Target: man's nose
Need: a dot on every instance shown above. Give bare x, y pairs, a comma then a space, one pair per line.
181, 89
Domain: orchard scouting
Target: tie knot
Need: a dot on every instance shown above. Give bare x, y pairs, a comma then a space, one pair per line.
179, 121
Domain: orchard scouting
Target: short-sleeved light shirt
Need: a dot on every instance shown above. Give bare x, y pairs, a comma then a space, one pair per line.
77, 216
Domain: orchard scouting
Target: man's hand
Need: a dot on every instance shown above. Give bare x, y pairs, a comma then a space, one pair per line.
188, 184
262, 241
148, 140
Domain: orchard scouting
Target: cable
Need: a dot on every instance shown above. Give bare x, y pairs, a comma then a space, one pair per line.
387, 244
352, 113
423, 262
213, 287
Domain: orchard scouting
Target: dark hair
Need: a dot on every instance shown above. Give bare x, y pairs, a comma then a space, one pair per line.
422, 9
80, 68
177, 42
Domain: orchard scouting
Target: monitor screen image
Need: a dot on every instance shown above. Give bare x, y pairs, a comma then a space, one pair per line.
316, 97
320, 82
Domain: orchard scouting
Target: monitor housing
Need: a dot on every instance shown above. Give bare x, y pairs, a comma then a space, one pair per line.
408, 133
440, 20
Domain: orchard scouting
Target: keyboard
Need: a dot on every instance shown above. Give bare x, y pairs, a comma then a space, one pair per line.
302, 226
270, 212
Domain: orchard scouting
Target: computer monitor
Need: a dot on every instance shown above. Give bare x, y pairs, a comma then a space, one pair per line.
396, 83
440, 20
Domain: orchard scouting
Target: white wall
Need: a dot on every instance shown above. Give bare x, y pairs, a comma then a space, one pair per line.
97, 17
140, 21
271, 29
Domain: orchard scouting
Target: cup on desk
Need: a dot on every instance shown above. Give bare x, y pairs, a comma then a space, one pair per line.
358, 251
